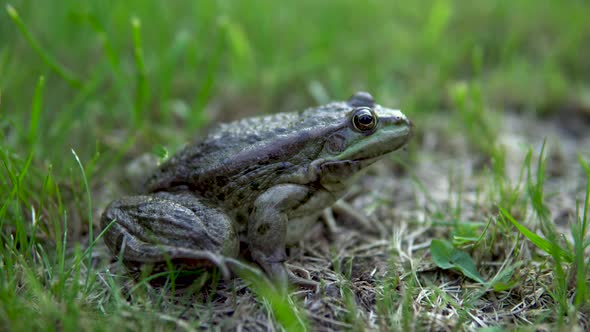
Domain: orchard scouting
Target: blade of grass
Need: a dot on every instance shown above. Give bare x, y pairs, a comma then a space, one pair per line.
550, 244
89, 216
586, 168
60, 70
141, 85
13, 179
120, 79
33, 136
579, 235
239, 45
540, 242
535, 190
198, 116
286, 311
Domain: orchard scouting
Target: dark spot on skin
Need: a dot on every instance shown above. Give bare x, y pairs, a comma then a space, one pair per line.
335, 143
241, 219
252, 138
220, 181
309, 195
263, 229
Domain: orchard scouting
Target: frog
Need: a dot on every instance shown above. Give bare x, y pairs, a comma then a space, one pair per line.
257, 184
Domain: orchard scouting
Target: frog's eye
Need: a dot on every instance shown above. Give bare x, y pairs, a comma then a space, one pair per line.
363, 119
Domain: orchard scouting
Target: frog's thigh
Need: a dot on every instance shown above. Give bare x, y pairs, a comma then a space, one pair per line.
169, 224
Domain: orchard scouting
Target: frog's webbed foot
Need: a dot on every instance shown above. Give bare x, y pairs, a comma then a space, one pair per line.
299, 281
274, 266
279, 273
303, 282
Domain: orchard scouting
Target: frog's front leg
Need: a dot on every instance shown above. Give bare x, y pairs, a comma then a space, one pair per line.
176, 227
267, 230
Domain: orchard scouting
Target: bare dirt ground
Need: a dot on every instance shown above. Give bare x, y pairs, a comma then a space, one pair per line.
406, 205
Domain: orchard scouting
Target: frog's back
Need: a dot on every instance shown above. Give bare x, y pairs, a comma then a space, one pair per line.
232, 147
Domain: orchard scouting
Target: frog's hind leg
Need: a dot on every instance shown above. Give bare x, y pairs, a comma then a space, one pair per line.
136, 252
169, 227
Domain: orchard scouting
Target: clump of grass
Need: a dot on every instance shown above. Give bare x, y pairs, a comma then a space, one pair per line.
569, 290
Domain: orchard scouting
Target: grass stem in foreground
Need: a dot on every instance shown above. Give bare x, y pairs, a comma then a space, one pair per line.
60, 70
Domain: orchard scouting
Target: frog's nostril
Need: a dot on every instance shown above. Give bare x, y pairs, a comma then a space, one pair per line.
398, 120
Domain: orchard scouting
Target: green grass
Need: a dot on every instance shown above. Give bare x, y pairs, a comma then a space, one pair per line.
87, 86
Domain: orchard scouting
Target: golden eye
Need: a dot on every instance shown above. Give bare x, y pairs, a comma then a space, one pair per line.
364, 119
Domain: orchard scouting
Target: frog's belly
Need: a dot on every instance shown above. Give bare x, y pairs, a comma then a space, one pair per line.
302, 219
297, 228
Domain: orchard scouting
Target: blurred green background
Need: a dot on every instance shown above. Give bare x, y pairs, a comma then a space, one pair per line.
186, 62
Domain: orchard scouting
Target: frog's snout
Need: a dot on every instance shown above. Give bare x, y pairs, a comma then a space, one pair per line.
403, 121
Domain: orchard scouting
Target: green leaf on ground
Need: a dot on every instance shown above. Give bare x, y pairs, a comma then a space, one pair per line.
446, 256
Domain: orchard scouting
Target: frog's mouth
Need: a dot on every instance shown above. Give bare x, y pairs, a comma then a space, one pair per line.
388, 139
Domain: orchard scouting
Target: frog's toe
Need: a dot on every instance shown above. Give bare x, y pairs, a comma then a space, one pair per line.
301, 277
279, 273
303, 282
283, 276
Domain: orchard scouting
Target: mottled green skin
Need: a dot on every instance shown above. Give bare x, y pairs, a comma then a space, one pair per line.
261, 179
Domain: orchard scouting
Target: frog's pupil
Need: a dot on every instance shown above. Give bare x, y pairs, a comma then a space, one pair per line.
365, 119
